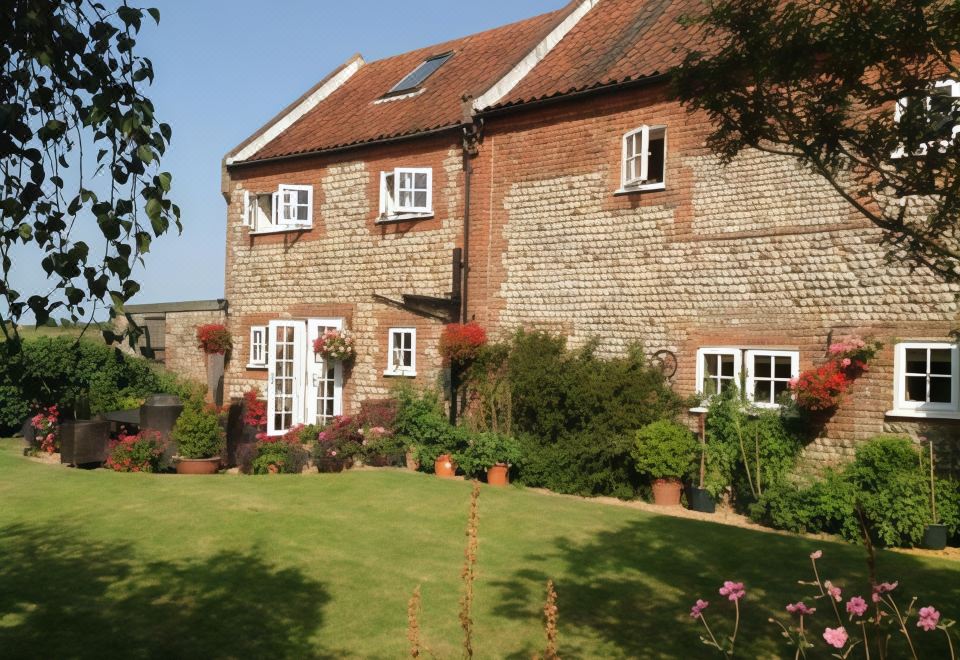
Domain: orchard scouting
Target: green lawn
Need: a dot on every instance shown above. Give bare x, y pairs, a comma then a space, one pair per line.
95, 564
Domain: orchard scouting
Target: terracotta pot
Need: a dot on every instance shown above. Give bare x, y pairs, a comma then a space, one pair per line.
198, 465
445, 467
499, 475
666, 492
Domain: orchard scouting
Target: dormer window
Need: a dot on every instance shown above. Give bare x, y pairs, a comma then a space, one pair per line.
644, 159
406, 193
415, 78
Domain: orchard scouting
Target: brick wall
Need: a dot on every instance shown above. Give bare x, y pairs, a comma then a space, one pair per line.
755, 254
335, 269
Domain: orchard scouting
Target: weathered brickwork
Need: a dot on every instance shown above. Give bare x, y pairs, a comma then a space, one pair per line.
334, 270
758, 253
183, 355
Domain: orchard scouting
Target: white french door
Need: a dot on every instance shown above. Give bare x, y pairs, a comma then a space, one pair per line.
301, 389
324, 378
285, 367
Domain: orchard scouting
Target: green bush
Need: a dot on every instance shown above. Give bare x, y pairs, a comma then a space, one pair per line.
664, 450
199, 432
574, 413
748, 451
279, 457
486, 450
886, 480
62, 370
421, 424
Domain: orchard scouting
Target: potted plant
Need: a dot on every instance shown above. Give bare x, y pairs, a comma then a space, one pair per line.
698, 497
665, 450
335, 345
200, 439
337, 445
490, 453
934, 534
215, 341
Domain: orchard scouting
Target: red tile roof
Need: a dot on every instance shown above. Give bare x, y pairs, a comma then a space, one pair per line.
351, 116
617, 41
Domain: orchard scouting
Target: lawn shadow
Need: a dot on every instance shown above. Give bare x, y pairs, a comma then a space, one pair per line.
65, 596
631, 588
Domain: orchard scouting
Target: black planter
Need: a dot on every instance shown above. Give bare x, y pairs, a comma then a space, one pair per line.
160, 413
700, 499
84, 442
935, 537
330, 465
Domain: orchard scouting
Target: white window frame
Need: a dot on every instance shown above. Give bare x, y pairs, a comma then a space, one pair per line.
902, 407
258, 347
390, 208
750, 388
285, 203
393, 369
701, 372
275, 224
901, 107
638, 180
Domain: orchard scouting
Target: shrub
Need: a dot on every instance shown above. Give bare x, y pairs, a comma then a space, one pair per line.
46, 430
199, 432
574, 413
664, 450
46, 371
142, 452
279, 458
748, 451
380, 445
486, 450
214, 338
422, 425
340, 439
828, 505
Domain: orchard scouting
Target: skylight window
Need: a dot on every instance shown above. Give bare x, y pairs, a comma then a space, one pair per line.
418, 75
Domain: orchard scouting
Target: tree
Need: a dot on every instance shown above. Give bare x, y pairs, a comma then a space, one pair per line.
72, 109
855, 90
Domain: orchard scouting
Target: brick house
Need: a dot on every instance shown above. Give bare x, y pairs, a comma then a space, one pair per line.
548, 160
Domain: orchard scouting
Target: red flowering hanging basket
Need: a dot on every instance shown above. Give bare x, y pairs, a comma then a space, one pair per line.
214, 339
461, 343
822, 389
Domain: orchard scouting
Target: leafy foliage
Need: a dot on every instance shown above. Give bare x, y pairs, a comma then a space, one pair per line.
59, 370
461, 342
664, 450
573, 412
486, 450
422, 425
886, 482
199, 431
818, 81
142, 452
279, 458
71, 86
747, 450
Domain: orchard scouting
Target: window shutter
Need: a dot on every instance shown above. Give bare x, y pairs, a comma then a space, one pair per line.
645, 154
247, 211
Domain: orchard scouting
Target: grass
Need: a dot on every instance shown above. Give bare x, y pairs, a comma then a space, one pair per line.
96, 564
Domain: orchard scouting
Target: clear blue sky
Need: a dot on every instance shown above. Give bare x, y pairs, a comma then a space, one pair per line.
225, 67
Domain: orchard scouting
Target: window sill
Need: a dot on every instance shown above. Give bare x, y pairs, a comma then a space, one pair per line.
923, 414
284, 230
700, 410
256, 367
400, 374
403, 217
639, 189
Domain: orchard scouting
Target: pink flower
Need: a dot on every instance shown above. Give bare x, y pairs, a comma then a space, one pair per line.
833, 591
857, 606
885, 587
845, 362
816, 555
732, 590
697, 610
929, 618
836, 637
800, 608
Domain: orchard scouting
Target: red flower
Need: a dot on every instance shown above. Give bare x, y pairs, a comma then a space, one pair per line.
462, 343
255, 409
214, 338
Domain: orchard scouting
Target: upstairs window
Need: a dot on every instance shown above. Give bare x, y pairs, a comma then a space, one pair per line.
406, 193
415, 78
933, 119
402, 352
927, 378
644, 159
289, 208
